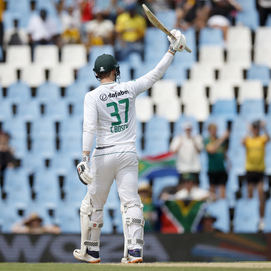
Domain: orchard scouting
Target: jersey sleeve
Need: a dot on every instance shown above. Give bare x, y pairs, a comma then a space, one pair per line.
148, 80
90, 121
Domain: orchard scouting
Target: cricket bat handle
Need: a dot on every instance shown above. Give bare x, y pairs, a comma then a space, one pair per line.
186, 47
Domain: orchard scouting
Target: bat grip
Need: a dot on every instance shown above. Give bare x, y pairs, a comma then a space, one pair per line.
187, 49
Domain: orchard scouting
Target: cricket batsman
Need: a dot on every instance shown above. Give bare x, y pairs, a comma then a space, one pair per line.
109, 112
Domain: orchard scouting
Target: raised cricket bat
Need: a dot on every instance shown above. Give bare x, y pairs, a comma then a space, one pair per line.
152, 18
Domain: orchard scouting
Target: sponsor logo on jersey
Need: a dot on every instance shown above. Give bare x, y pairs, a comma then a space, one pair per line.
117, 93
118, 128
103, 97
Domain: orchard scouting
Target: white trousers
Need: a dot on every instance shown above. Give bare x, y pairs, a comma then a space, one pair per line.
120, 163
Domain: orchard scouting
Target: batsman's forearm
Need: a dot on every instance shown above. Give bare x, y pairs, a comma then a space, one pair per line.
88, 140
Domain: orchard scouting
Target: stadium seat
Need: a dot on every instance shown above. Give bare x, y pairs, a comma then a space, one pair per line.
239, 37
211, 36
250, 89
61, 75
239, 127
71, 127
18, 56
221, 90
202, 73
237, 157
249, 18
162, 109
17, 186
247, 4
156, 146
19, 144
231, 73
160, 183
62, 164
185, 59
96, 51
191, 90
226, 108
77, 108
77, 90
48, 92
198, 108
157, 127
263, 37
262, 56
154, 52
164, 90
15, 6
8, 75
71, 146
45, 147
220, 210
5, 110
46, 187
46, 56
239, 57
211, 55
246, 216
178, 74
18, 93
86, 76
29, 110
33, 75
74, 55
167, 17
135, 61
57, 110
259, 73
125, 71
32, 162
253, 108
267, 216
16, 127
268, 98
219, 121
43, 127
178, 125
144, 108
48, 6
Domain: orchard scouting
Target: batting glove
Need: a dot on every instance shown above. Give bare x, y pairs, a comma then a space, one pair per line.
179, 43
83, 171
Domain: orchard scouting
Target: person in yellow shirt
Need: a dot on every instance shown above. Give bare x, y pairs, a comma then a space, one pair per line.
130, 28
255, 166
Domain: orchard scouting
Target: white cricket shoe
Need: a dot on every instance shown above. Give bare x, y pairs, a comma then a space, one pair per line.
134, 256
86, 258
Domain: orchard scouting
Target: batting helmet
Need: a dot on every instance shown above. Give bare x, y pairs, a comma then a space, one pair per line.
105, 63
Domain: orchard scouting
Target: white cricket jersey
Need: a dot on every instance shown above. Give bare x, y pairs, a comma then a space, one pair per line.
109, 110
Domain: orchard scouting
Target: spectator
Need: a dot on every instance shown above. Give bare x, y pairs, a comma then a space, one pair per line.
42, 29
255, 166
219, 14
71, 25
191, 13
188, 148
86, 7
33, 225
6, 158
207, 223
149, 212
130, 28
189, 190
216, 150
100, 31
264, 10
15, 35
113, 10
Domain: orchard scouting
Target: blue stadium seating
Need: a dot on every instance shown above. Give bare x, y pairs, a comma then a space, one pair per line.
86, 76
77, 90
18, 92
71, 146
44, 147
220, 210
16, 127
135, 60
62, 164
43, 127
178, 74
226, 108
157, 127
48, 92
29, 110
211, 36
18, 6
259, 72
57, 110
267, 216
247, 4
125, 74
71, 127
156, 146
178, 125
19, 145
5, 110
246, 216
249, 18
96, 51
252, 108
32, 163
167, 17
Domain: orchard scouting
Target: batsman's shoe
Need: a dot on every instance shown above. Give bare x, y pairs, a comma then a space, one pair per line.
90, 257
134, 256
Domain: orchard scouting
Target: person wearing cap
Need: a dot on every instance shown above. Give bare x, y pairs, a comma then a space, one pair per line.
100, 30
216, 150
109, 113
255, 166
188, 148
130, 28
149, 212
